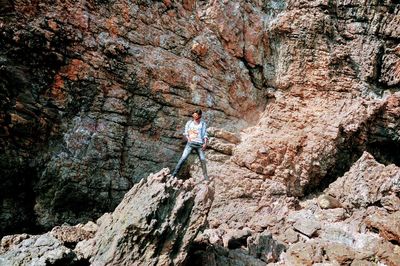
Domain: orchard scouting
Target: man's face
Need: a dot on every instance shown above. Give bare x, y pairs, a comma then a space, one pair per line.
196, 116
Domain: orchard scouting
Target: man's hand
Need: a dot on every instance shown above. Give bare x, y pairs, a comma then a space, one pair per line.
204, 146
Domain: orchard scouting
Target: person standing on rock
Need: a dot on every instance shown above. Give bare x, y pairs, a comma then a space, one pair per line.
196, 136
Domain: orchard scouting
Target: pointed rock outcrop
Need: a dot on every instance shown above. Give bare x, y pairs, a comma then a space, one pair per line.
155, 224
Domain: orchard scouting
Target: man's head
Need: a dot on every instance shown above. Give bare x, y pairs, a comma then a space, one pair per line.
197, 114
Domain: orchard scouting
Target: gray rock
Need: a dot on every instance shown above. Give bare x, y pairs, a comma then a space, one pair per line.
305, 222
307, 227
155, 223
235, 238
38, 250
361, 188
328, 202
264, 247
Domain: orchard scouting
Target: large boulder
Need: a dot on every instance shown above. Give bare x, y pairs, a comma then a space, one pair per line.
367, 183
40, 250
155, 224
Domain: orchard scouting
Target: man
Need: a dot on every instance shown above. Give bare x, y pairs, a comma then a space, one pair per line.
196, 136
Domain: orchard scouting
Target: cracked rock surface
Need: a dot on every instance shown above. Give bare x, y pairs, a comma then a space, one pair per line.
155, 224
302, 102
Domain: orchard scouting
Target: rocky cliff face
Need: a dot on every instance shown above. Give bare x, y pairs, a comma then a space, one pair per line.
94, 95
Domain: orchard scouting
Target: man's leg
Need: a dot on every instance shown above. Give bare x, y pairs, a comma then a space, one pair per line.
185, 155
202, 157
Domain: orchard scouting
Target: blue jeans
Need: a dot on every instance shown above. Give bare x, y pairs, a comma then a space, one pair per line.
186, 152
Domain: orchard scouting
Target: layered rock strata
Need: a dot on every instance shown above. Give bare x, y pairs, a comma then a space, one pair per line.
95, 95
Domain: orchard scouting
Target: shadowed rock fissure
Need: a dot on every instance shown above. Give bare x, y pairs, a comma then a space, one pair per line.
18, 182
385, 151
30, 118
183, 219
374, 137
71, 261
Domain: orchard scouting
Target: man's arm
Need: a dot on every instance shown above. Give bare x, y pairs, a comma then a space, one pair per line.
205, 136
185, 133
205, 144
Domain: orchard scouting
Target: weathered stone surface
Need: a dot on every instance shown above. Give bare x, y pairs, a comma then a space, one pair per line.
305, 222
224, 135
263, 246
391, 202
212, 236
331, 215
104, 91
304, 254
71, 235
10, 241
218, 255
241, 247
328, 202
289, 236
94, 99
121, 77
366, 183
366, 232
316, 251
38, 250
235, 238
387, 224
306, 227
155, 224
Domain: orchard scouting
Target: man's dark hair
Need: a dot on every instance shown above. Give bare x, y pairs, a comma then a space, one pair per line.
198, 111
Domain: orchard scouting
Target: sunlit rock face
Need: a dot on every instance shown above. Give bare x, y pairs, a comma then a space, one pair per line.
94, 95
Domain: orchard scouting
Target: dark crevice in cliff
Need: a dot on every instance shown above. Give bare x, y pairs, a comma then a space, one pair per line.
70, 260
379, 62
184, 172
377, 136
378, 85
183, 219
6, 8
384, 152
345, 158
255, 73
197, 254
17, 199
27, 122
123, 158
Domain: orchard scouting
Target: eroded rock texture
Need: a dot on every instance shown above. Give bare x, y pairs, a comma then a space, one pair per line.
155, 224
94, 95
348, 234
